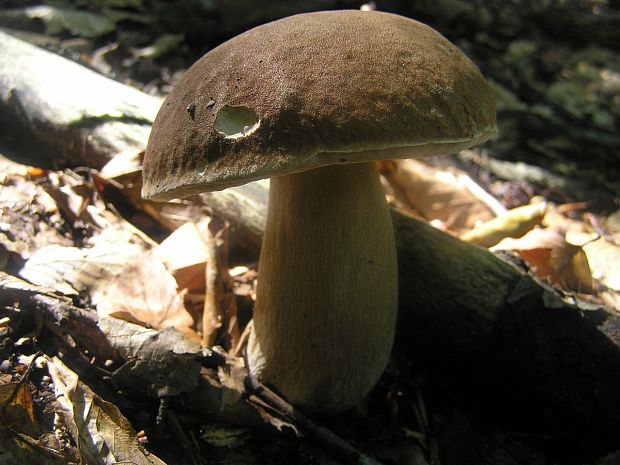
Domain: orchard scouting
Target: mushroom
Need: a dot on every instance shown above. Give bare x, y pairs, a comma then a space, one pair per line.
311, 101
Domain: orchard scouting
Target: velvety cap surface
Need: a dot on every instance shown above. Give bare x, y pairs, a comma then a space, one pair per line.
315, 89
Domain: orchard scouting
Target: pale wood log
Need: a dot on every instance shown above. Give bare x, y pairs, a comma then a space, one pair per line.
73, 114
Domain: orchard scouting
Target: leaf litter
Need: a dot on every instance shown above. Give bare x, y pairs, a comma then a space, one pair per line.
157, 303
548, 248
70, 243
561, 244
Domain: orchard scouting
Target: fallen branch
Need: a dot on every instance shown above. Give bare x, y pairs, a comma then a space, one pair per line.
71, 114
63, 319
220, 306
57, 313
504, 344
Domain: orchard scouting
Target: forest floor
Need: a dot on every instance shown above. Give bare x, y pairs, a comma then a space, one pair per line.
81, 255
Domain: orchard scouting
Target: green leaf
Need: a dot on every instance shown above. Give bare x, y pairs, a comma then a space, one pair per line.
79, 23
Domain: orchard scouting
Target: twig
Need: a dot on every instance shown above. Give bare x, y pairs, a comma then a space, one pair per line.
220, 307
63, 318
59, 315
212, 312
338, 447
243, 339
179, 434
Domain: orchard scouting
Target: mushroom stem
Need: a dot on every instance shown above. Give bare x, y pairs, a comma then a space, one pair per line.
326, 301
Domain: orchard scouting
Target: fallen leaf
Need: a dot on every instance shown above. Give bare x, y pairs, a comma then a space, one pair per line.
10, 283
553, 258
71, 270
162, 363
29, 217
145, 292
17, 407
102, 434
223, 435
514, 223
446, 195
78, 22
232, 377
123, 164
604, 259
184, 253
161, 46
9, 169
613, 226
77, 200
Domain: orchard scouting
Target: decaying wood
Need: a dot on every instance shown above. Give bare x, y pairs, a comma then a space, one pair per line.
61, 113
212, 312
57, 313
499, 340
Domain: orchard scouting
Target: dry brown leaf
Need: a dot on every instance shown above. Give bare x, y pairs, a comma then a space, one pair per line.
17, 407
224, 435
29, 441
514, 223
146, 292
28, 215
17, 412
123, 174
448, 196
128, 185
71, 270
77, 201
244, 281
9, 283
556, 219
612, 223
604, 259
553, 258
197, 256
10, 169
184, 253
600, 239
103, 435
123, 164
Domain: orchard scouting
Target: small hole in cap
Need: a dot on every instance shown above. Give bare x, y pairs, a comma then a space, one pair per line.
236, 122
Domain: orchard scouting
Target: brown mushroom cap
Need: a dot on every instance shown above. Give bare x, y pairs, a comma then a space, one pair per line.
311, 90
